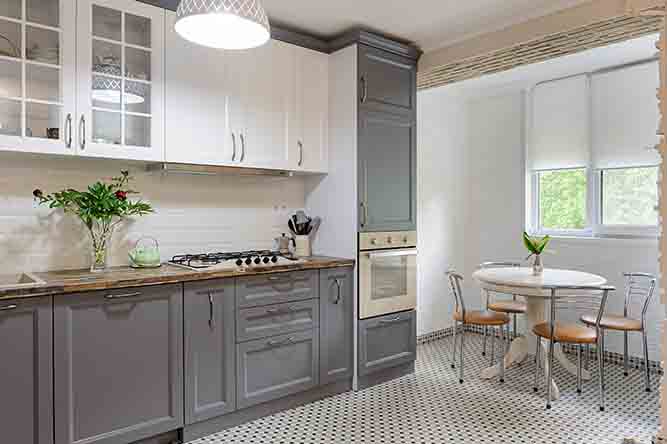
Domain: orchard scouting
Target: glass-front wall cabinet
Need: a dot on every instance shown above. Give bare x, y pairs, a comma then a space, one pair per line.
37, 44
120, 68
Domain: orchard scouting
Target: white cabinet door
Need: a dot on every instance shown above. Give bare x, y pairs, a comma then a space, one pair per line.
309, 147
197, 98
261, 103
120, 47
37, 75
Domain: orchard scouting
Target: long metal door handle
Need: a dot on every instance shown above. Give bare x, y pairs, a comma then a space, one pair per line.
364, 89
289, 340
393, 253
68, 130
123, 296
211, 317
242, 148
364, 214
9, 307
233, 147
390, 321
337, 300
300, 144
82, 132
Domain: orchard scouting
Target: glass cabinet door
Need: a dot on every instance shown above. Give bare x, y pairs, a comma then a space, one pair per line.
120, 69
37, 75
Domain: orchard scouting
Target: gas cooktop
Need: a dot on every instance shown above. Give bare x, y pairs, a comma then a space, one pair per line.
234, 261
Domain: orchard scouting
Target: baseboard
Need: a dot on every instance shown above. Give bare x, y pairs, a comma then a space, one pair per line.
382, 376
208, 427
610, 357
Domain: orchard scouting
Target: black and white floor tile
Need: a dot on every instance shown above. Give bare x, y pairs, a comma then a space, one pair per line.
431, 406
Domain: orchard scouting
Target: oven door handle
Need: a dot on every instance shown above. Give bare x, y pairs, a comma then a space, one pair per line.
392, 253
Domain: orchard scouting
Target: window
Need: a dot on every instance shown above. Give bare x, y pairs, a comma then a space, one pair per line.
629, 196
562, 199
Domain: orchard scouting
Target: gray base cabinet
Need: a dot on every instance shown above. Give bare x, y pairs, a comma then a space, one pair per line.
271, 368
336, 328
118, 364
387, 341
210, 350
26, 403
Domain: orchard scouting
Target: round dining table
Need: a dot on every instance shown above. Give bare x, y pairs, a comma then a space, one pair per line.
521, 281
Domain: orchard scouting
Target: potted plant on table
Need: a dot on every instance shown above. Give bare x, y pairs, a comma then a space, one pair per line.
536, 246
101, 208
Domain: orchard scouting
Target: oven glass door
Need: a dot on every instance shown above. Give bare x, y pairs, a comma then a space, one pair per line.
388, 281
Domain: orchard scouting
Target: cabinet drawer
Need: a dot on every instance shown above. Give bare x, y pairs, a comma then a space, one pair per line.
271, 368
271, 320
254, 291
387, 341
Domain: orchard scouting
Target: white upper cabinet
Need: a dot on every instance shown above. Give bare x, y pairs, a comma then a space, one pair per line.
198, 100
308, 142
120, 47
37, 78
260, 104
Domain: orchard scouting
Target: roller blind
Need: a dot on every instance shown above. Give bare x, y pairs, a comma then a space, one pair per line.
560, 124
625, 116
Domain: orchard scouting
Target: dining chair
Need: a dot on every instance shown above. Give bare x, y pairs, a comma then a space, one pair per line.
511, 307
639, 289
566, 299
480, 318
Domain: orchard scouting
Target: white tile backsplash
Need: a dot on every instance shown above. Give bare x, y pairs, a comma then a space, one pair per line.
193, 213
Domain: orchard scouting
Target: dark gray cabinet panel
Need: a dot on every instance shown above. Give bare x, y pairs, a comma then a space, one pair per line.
387, 341
210, 350
118, 364
276, 288
387, 172
336, 312
387, 82
26, 403
271, 320
271, 368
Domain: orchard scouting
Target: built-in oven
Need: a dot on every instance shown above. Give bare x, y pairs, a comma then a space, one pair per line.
387, 273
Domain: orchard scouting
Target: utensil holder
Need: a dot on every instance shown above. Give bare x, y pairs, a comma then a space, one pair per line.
302, 248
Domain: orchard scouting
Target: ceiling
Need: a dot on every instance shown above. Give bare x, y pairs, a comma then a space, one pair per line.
430, 24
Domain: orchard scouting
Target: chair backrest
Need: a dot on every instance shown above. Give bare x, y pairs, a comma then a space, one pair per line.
455, 280
578, 298
639, 289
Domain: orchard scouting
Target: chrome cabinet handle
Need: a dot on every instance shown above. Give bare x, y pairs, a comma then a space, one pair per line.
364, 89
233, 147
337, 300
82, 132
289, 340
9, 307
211, 318
68, 130
390, 321
280, 310
300, 144
123, 296
364, 214
242, 148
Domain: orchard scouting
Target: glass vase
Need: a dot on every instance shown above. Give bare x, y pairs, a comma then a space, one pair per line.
538, 268
100, 236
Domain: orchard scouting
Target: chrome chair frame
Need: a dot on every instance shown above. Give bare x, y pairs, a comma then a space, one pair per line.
455, 280
554, 301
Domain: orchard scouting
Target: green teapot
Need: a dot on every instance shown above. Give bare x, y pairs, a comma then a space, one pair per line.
145, 254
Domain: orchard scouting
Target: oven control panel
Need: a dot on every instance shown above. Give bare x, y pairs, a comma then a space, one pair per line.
387, 239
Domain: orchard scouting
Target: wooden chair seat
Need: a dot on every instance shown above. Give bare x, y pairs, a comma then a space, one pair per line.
569, 333
514, 307
479, 317
613, 322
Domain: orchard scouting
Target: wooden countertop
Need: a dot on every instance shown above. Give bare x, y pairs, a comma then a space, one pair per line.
71, 281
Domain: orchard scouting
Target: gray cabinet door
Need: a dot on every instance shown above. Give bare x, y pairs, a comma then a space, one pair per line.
272, 320
387, 82
387, 341
271, 368
26, 403
336, 312
276, 288
118, 366
387, 172
210, 350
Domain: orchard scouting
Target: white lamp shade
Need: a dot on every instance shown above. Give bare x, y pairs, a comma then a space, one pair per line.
223, 24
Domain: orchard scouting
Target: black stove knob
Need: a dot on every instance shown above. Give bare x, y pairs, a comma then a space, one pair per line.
258, 260
239, 262
248, 261
266, 259
274, 259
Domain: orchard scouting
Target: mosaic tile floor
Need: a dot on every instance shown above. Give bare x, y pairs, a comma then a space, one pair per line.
430, 406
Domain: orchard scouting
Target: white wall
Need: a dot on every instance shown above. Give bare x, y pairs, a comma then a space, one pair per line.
193, 213
472, 205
